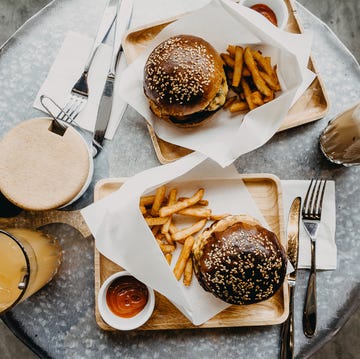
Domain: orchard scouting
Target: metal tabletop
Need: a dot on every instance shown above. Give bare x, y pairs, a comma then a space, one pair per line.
59, 320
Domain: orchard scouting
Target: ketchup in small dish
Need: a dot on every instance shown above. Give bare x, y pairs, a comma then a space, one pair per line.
126, 296
124, 302
265, 11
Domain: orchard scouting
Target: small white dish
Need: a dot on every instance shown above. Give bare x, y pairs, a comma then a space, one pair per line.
277, 6
116, 321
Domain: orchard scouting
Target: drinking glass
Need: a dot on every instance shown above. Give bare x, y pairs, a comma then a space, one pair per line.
340, 140
28, 260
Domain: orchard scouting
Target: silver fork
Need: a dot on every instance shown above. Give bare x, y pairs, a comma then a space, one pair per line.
80, 91
311, 217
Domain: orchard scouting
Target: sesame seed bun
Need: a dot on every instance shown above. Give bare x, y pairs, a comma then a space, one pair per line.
239, 261
184, 80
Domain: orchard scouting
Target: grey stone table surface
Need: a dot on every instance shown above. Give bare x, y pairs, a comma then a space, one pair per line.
59, 321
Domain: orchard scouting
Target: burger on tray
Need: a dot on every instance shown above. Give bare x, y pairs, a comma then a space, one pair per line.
184, 80
189, 101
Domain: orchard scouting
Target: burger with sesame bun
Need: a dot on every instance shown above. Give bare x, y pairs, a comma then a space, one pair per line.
239, 261
184, 80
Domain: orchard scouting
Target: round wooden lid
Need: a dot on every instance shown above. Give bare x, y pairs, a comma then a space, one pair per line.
40, 169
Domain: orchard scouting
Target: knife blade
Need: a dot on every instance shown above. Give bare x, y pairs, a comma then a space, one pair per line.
106, 23
287, 330
123, 18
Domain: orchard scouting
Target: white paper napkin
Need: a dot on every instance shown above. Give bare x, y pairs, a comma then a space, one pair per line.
227, 136
67, 68
326, 251
122, 235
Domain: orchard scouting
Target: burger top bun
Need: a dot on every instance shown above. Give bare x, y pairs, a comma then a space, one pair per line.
239, 261
182, 75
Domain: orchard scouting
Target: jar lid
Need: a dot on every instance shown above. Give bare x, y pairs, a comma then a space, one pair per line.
40, 169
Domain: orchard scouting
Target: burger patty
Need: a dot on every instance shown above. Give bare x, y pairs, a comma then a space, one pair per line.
199, 116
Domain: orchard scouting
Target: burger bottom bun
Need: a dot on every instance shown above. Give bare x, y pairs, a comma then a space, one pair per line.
239, 261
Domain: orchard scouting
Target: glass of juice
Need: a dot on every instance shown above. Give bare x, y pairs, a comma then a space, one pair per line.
28, 260
340, 140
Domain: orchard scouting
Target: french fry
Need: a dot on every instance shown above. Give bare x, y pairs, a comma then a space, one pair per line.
155, 230
147, 200
171, 200
188, 272
173, 229
168, 257
231, 50
183, 257
268, 99
202, 202
143, 209
229, 61
270, 81
238, 66
195, 211
179, 205
229, 101
258, 80
166, 248
158, 200
256, 98
265, 64
188, 231
247, 93
238, 105
246, 72
155, 221
168, 238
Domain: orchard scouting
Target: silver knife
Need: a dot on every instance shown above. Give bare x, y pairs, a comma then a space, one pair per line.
104, 111
287, 330
107, 20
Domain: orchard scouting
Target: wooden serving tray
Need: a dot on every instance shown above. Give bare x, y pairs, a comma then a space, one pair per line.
266, 192
311, 106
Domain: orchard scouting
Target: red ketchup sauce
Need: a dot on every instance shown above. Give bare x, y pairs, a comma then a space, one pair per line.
126, 296
265, 11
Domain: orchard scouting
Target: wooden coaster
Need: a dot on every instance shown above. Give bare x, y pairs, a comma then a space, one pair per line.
41, 170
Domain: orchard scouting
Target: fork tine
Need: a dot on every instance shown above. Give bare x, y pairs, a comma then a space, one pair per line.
321, 199
64, 111
314, 198
75, 109
305, 208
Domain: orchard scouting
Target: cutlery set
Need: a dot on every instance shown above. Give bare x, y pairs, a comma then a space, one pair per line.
116, 16
310, 215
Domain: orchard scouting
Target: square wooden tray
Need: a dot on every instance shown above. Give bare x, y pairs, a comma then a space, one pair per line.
266, 192
311, 106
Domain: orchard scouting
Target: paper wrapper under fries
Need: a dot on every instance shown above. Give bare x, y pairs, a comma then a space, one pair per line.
228, 136
122, 234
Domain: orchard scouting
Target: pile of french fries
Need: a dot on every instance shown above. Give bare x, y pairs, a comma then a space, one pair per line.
159, 211
251, 76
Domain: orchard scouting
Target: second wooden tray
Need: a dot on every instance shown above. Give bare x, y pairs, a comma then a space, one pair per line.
311, 106
266, 192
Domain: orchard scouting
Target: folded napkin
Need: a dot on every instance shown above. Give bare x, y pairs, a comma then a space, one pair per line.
326, 250
67, 68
